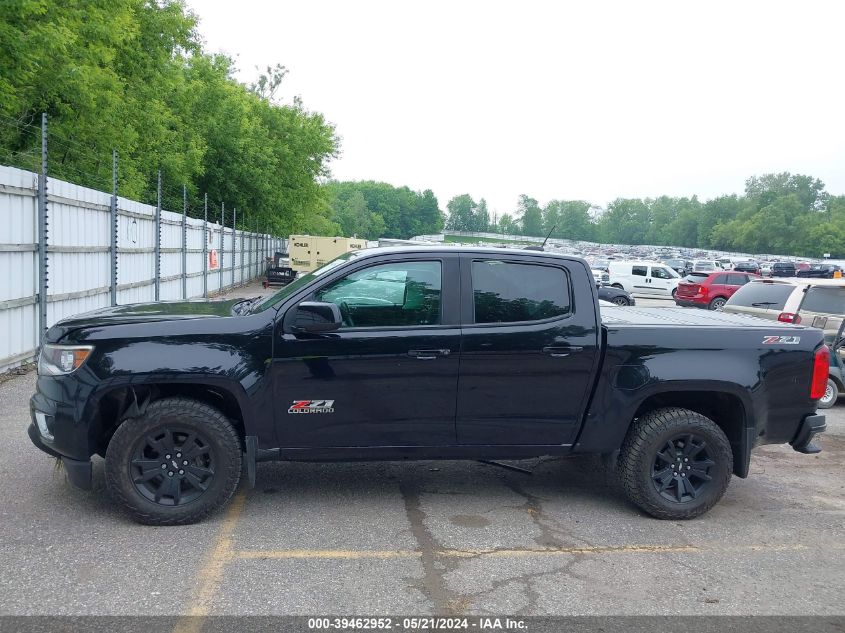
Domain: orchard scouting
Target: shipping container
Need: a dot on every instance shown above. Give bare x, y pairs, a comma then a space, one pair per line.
309, 252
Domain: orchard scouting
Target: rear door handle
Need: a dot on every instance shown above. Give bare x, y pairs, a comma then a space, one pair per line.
428, 354
560, 352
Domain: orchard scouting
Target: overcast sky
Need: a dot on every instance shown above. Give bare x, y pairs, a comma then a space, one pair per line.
575, 100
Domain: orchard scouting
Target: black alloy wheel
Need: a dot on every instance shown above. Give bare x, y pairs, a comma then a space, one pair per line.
681, 468
172, 466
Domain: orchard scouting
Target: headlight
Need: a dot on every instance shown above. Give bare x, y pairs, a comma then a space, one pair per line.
60, 360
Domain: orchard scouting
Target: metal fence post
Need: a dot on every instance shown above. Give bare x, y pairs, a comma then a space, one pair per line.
158, 241
234, 242
205, 246
113, 210
222, 240
184, 242
243, 268
42, 234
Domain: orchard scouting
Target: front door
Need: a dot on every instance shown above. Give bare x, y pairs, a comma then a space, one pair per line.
529, 351
661, 281
388, 376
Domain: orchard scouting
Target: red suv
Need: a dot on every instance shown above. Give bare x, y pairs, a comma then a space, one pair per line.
710, 290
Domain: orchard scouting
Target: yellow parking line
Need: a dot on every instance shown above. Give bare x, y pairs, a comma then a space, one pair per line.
510, 552
326, 553
211, 570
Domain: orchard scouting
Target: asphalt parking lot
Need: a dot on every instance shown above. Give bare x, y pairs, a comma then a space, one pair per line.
424, 538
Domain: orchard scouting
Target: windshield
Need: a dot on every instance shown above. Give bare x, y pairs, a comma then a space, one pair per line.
300, 282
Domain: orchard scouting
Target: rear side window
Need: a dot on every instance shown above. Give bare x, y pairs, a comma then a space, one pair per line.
640, 271
762, 295
824, 300
505, 292
735, 280
721, 280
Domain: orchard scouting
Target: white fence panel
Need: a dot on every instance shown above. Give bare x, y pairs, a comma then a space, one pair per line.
18, 264
79, 257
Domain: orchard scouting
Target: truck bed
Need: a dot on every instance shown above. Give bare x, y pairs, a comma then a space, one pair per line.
686, 317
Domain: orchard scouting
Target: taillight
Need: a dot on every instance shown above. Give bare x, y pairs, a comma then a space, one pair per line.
789, 317
821, 368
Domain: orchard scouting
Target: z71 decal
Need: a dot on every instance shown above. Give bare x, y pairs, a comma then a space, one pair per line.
781, 340
312, 406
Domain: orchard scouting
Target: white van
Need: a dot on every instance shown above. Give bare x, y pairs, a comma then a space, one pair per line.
645, 278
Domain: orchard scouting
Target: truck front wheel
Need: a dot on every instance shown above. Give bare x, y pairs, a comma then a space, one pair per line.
176, 463
675, 463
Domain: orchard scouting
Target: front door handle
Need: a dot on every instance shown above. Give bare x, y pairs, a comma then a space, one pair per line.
428, 354
561, 352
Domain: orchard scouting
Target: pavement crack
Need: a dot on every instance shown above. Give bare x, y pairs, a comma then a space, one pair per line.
435, 568
552, 533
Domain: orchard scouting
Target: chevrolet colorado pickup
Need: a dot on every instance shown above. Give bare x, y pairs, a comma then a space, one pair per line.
421, 353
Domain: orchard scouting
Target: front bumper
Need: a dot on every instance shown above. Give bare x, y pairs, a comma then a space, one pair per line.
66, 410
79, 472
810, 426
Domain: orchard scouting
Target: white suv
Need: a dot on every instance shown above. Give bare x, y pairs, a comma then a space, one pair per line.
812, 302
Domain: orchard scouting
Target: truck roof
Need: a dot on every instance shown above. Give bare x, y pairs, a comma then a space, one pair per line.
438, 248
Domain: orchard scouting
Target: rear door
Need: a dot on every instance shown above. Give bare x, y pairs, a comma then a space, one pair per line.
734, 281
529, 350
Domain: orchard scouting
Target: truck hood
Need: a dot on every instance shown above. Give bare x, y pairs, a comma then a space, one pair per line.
142, 313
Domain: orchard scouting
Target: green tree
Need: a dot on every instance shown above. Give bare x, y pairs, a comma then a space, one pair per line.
460, 213
131, 75
530, 216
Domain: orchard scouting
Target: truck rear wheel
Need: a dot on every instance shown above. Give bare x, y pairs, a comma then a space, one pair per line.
675, 463
175, 464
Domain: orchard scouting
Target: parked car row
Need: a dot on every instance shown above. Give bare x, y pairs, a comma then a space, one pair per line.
817, 303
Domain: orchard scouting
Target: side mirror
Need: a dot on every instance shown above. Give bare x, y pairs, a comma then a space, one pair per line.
316, 316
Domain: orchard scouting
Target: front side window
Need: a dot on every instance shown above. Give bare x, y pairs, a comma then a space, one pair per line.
388, 295
505, 292
663, 273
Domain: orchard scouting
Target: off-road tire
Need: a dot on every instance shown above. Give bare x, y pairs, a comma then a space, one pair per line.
638, 457
214, 429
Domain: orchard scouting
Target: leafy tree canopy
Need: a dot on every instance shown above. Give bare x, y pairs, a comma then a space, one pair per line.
131, 75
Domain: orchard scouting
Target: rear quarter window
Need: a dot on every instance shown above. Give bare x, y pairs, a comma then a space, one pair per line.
762, 295
824, 300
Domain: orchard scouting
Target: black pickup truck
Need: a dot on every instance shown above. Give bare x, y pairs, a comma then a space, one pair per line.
421, 353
